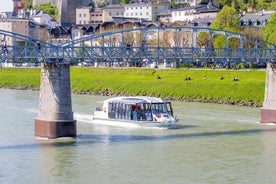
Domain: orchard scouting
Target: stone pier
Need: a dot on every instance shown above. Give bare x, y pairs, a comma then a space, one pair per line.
55, 118
268, 111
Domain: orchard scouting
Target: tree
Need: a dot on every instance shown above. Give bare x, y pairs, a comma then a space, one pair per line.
49, 9
124, 2
28, 4
226, 19
269, 30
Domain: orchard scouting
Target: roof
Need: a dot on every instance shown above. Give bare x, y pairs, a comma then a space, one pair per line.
252, 17
199, 8
113, 6
136, 99
137, 4
142, 22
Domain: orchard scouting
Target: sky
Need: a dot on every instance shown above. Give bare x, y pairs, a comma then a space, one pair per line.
6, 5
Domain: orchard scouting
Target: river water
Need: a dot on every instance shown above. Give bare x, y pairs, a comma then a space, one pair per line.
212, 144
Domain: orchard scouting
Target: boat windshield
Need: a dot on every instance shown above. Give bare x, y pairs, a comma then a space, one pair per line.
158, 108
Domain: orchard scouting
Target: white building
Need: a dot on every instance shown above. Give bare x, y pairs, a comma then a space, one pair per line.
188, 14
145, 11
6, 15
44, 19
255, 19
83, 15
191, 2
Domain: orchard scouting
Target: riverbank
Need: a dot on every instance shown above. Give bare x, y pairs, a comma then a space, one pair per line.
213, 86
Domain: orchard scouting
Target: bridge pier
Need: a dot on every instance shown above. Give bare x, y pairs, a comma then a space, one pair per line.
268, 111
55, 118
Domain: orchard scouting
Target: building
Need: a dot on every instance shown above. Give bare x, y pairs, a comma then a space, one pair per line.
66, 8
6, 15
190, 2
17, 5
96, 16
145, 11
113, 10
255, 19
19, 26
189, 13
83, 15
42, 18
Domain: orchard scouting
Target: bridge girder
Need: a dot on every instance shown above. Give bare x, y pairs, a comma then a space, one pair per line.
155, 44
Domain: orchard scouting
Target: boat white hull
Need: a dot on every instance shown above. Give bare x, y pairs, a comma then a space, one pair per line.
132, 124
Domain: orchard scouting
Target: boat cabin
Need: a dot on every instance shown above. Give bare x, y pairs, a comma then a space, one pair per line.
138, 109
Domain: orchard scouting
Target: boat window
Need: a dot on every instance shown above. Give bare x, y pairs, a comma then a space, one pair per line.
141, 112
169, 108
159, 108
144, 112
119, 110
111, 110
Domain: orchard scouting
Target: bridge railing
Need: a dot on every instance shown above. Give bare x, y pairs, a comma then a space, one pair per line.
149, 45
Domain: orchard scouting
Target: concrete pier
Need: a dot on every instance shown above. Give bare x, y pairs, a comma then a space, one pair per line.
55, 118
268, 111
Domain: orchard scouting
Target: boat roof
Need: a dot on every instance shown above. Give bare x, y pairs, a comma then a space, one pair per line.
136, 99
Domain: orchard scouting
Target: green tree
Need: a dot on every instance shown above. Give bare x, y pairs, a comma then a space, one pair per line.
226, 19
269, 30
28, 4
124, 1
49, 9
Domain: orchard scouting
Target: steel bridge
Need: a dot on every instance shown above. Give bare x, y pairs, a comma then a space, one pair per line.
141, 46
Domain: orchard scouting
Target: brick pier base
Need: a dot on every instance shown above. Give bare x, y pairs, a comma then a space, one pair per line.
268, 111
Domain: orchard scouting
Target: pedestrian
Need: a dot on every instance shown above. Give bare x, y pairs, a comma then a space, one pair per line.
4, 47
202, 50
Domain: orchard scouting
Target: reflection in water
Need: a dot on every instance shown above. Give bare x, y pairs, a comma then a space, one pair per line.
56, 156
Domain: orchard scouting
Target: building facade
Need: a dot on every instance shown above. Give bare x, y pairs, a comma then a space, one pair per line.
110, 11
255, 19
189, 13
66, 8
83, 15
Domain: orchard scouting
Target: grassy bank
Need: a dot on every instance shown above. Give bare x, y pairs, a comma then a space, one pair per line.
248, 90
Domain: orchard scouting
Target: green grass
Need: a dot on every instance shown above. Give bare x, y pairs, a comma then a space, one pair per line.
249, 90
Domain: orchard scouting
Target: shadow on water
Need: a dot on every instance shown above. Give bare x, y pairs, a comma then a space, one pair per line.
83, 139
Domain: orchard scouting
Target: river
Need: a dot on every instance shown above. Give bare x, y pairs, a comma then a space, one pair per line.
212, 144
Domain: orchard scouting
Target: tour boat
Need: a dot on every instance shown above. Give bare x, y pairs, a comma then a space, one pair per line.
137, 110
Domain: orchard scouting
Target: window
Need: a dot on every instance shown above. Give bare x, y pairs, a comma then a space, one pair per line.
84, 15
80, 15
110, 13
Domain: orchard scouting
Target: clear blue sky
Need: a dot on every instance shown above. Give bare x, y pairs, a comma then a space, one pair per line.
6, 5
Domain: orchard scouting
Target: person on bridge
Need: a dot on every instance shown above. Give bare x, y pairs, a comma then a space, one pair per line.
4, 47
203, 50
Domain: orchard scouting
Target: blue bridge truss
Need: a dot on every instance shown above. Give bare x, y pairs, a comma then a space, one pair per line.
134, 47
